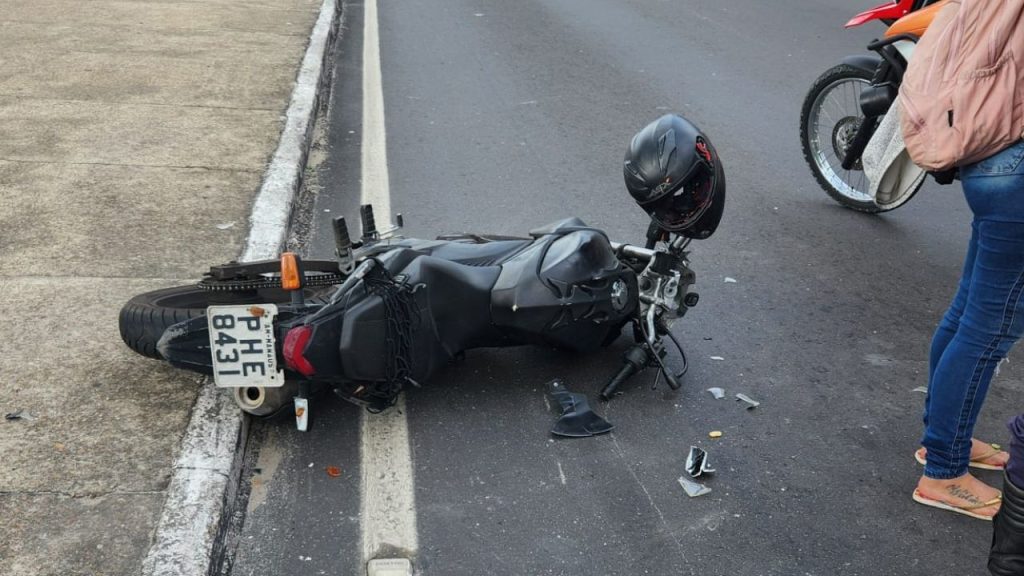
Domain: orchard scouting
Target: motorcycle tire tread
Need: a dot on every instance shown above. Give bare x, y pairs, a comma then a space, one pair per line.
143, 319
142, 322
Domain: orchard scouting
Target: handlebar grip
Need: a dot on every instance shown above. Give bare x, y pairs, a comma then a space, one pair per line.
672, 382
369, 224
627, 370
342, 240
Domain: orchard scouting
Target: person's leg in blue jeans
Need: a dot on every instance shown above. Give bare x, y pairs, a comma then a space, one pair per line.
984, 321
982, 452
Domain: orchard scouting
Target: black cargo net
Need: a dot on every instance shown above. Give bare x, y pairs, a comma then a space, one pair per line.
402, 317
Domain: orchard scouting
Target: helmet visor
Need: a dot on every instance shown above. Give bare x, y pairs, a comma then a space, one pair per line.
682, 207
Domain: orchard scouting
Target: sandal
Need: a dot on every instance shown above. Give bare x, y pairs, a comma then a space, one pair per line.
976, 462
967, 510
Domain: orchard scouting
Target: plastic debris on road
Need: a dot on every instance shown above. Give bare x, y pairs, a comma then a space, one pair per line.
730, 280
751, 403
718, 393
715, 434
577, 420
225, 225
717, 358
693, 489
921, 389
697, 462
20, 414
333, 471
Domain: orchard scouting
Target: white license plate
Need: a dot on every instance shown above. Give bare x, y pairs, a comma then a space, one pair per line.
242, 345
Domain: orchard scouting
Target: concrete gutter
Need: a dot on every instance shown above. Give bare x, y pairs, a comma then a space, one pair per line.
189, 536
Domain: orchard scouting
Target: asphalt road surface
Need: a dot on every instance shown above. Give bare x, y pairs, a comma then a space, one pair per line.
502, 116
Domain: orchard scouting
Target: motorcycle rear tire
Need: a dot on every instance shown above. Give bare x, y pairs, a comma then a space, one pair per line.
145, 317
828, 81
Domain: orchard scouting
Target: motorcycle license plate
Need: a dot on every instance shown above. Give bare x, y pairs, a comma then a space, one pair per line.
242, 345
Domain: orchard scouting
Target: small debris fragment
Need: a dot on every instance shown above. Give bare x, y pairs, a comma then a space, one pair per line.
715, 434
921, 389
310, 465
576, 420
729, 280
718, 393
697, 462
333, 471
225, 225
717, 358
751, 403
693, 489
19, 414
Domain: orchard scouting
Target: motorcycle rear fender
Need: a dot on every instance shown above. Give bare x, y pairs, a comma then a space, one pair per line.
888, 11
866, 62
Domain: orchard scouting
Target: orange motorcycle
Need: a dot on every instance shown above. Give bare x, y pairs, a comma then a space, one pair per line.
845, 104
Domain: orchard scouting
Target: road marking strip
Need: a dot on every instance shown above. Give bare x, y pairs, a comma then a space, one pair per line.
388, 507
375, 186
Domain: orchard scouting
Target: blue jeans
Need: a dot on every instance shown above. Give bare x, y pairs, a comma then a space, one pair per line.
986, 316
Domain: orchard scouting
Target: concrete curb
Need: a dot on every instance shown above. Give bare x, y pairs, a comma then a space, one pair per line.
273, 205
189, 535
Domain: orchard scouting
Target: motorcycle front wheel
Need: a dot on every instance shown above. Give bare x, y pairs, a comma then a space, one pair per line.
829, 120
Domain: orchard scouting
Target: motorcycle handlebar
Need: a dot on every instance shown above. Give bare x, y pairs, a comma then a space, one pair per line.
633, 251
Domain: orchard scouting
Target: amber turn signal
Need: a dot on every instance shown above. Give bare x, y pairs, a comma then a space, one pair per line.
291, 274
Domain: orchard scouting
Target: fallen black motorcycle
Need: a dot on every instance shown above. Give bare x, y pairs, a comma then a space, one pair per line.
390, 311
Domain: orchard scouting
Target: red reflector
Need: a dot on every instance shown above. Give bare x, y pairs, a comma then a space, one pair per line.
294, 345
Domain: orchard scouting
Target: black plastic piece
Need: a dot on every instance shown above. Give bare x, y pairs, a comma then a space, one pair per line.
342, 240
369, 224
577, 420
876, 100
635, 359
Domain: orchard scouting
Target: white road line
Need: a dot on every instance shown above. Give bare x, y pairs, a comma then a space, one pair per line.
388, 507
388, 513
375, 186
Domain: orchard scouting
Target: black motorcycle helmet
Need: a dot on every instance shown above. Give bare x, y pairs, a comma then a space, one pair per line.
673, 172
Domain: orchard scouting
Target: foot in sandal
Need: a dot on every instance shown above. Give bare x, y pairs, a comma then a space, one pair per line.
984, 456
964, 495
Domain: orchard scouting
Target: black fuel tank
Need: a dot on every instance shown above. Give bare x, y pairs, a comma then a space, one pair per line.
567, 290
